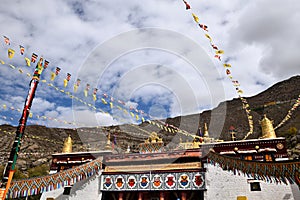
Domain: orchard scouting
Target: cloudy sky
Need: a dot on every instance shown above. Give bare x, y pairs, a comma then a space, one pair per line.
150, 55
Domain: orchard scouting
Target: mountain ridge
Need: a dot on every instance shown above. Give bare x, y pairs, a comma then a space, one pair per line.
41, 142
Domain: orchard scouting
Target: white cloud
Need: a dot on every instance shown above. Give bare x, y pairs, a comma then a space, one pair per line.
260, 38
40, 105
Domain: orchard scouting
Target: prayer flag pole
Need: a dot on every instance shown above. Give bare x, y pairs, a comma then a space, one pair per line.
10, 166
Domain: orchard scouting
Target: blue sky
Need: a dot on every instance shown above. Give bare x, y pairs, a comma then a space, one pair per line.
149, 54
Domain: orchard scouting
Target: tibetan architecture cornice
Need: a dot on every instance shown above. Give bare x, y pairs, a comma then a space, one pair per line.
156, 167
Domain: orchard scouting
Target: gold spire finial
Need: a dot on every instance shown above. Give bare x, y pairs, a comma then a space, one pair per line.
67, 145
108, 146
205, 131
267, 128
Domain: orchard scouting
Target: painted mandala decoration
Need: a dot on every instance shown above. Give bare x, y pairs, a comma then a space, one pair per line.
184, 180
144, 181
198, 180
170, 181
157, 182
119, 182
107, 183
131, 182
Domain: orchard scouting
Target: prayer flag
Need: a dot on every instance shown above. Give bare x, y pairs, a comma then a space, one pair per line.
228, 71
33, 57
218, 57
214, 47
67, 79
196, 18
27, 60
22, 49
204, 27
226, 65
219, 52
87, 88
187, 6
6, 40
206, 35
11, 53
46, 63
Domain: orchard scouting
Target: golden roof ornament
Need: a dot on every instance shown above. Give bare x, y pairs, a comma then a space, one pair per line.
67, 145
206, 135
153, 138
108, 146
267, 128
152, 144
232, 133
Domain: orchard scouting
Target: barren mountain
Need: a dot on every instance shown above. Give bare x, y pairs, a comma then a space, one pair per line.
40, 142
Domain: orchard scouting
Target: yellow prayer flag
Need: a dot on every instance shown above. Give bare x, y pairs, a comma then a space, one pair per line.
226, 65
219, 52
75, 88
196, 18
4, 106
143, 119
132, 115
10, 53
53, 75
65, 82
2, 62
111, 105
30, 115
137, 117
94, 97
27, 60
240, 91
85, 93
206, 35
103, 101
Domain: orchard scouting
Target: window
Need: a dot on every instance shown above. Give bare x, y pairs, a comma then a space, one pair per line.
67, 190
268, 157
255, 186
248, 157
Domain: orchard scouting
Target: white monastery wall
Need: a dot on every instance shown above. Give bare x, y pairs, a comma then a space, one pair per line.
227, 186
87, 189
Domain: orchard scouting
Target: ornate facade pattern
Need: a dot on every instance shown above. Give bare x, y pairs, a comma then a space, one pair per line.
55, 181
153, 181
276, 172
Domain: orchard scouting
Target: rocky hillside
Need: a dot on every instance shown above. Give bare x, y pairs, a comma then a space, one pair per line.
40, 142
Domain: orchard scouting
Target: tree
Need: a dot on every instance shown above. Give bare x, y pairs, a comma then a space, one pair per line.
292, 131
38, 170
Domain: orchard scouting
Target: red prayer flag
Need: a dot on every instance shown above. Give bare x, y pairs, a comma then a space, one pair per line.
187, 6
204, 27
22, 49
6, 40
